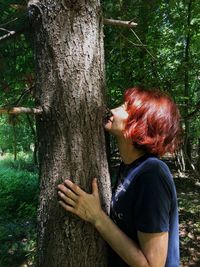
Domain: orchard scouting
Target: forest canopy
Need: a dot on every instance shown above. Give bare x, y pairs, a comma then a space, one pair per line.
162, 51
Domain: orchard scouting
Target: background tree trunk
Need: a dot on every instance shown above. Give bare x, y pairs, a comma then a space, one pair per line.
198, 157
69, 87
14, 141
187, 141
35, 148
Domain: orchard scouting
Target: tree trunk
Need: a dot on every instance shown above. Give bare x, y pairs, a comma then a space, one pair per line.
35, 149
180, 162
187, 141
198, 157
69, 87
143, 29
14, 141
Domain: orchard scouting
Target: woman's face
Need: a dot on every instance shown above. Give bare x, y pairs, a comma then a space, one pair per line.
116, 123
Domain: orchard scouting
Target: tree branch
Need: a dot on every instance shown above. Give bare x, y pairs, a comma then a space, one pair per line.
24, 94
5, 30
113, 22
120, 23
8, 22
21, 110
138, 45
12, 34
143, 45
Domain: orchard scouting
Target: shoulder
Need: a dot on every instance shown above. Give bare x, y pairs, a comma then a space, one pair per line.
154, 170
156, 166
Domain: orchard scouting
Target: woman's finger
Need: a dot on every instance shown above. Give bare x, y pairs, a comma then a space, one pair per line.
68, 192
66, 199
75, 188
66, 207
95, 189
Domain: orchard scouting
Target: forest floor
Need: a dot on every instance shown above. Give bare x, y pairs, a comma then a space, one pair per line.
189, 221
18, 229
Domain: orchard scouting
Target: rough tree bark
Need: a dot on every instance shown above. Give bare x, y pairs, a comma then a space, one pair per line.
69, 88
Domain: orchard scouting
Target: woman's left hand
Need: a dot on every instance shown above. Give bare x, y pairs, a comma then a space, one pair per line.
75, 200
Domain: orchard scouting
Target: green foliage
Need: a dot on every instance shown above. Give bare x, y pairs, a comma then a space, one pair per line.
134, 64
16, 55
18, 189
16, 76
18, 205
15, 130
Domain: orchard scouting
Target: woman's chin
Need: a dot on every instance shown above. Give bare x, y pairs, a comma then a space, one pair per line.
108, 126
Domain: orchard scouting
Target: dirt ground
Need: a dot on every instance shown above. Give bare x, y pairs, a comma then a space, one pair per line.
189, 218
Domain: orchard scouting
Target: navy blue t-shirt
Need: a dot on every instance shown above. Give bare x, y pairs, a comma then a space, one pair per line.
145, 200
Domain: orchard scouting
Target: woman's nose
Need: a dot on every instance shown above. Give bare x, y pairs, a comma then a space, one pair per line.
113, 111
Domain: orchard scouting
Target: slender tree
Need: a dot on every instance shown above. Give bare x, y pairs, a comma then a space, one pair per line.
187, 141
69, 88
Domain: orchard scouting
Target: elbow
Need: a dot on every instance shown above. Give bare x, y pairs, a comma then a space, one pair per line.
143, 263
146, 264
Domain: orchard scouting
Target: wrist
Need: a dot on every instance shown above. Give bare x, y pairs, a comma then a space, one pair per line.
100, 219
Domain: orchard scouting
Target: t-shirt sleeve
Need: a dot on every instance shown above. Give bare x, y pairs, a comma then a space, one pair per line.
152, 202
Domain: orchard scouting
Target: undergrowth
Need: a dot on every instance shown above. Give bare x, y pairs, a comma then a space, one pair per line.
18, 205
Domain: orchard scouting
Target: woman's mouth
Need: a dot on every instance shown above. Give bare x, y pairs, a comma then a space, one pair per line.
108, 116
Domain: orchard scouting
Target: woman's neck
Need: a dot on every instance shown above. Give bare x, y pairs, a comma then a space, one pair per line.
127, 150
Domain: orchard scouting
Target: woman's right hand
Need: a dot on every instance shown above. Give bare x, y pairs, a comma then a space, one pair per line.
75, 200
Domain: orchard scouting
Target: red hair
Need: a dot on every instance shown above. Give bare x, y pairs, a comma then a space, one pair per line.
153, 122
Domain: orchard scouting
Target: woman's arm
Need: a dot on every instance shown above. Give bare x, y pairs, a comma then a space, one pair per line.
153, 247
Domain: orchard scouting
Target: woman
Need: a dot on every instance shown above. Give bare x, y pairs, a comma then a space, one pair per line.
142, 229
